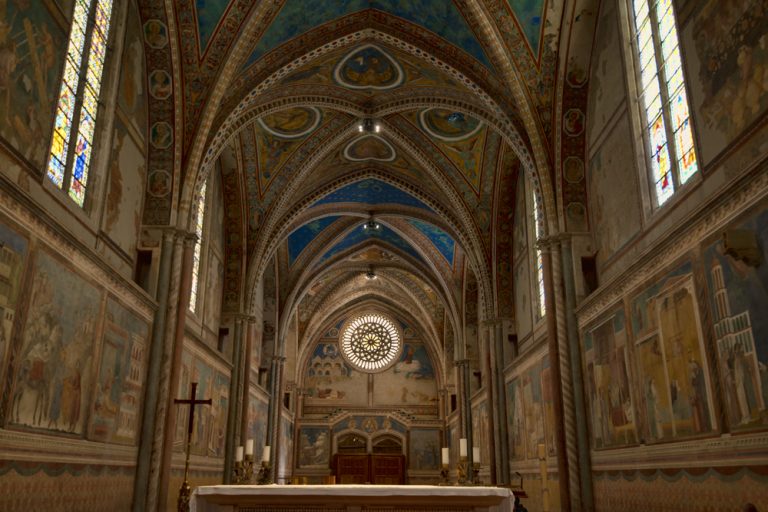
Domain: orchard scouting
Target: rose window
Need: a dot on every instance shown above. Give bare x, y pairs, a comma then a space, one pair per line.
371, 342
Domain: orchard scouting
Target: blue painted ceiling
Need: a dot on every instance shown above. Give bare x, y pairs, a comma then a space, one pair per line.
530, 14
359, 235
439, 238
209, 12
373, 192
301, 238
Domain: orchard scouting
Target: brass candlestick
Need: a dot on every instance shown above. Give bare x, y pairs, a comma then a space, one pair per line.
444, 472
243, 471
265, 477
461, 471
476, 473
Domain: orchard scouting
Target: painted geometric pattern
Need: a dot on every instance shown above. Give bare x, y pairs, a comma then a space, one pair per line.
529, 14
438, 16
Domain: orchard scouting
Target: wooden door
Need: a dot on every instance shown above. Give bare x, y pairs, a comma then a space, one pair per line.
352, 469
387, 469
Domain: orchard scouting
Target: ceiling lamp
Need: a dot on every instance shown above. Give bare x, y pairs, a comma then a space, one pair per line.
371, 225
370, 274
369, 126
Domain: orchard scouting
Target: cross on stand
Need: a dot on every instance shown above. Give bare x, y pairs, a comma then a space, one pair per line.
182, 504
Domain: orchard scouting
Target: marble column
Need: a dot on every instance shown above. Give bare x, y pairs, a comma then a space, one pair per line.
554, 364
230, 442
579, 405
154, 366
250, 333
465, 407
174, 348
275, 410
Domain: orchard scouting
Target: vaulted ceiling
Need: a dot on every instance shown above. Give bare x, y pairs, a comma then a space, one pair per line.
417, 116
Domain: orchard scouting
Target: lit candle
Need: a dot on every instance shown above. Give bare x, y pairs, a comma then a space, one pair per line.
476, 455
239, 454
445, 456
249, 447
265, 454
462, 447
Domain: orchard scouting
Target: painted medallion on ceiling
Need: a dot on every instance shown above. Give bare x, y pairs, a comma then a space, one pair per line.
460, 137
370, 147
369, 67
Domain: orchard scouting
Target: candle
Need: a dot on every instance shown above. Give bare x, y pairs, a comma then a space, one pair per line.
239, 454
476, 455
445, 456
265, 454
462, 447
249, 447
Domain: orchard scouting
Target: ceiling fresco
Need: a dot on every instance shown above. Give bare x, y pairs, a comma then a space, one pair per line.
530, 14
439, 238
372, 192
441, 17
359, 236
208, 13
299, 239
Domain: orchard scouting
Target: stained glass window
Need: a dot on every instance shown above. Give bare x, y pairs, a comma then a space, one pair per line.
539, 259
370, 342
199, 220
662, 89
77, 106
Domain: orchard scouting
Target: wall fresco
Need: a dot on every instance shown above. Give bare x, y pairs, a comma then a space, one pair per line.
424, 449
314, 447
410, 381
331, 380
55, 364
13, 257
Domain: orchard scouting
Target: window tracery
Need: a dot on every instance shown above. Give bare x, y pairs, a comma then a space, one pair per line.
371, 342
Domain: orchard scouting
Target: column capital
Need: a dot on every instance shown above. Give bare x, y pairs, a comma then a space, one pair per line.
189, 239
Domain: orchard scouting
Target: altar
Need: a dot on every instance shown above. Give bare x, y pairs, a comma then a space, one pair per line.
350, 498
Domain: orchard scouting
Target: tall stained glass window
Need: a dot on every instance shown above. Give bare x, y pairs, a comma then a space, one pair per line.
199, 221
665, 104
78, 101
539, 259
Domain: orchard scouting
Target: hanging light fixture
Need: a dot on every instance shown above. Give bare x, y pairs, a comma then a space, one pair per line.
370, 274
371, 224
369, 125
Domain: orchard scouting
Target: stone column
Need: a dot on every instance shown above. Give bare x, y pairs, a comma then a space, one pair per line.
234, 390
275, 410
249, 330
465, 407
554, 362
579, 406
497, 403
174, 349
154, 365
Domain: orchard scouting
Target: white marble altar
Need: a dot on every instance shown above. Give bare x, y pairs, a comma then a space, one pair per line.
350, 498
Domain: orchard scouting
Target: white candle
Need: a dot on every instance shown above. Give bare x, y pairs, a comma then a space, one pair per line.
239, 454
462, 447
446, 456
265, 454
249, 447
476, 455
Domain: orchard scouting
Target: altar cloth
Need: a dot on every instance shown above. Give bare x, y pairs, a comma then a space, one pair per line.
350, 498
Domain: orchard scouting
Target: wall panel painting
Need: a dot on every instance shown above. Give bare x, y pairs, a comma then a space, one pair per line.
314, 450
217, 416
481, 433
738, 294
516, 420
410, 381
330, 380
14, 249
608, 384
54, 375
672, 368
258, 409
117, 405
533, 410
424, 449
549, 405
181, 410
286, 447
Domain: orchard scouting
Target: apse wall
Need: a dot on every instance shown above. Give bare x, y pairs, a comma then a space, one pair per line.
75, 329
674, 342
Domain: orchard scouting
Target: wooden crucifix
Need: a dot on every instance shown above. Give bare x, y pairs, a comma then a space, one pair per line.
182, 504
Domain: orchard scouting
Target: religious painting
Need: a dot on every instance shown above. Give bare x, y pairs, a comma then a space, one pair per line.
314, 447
515, 420
520, 220
182, 410
117, 405
424, 449
55, 365
13, 257
530, 381
131, 97
203, 374
607, 380
125, 190
331, 380
370, 147
547, 390
481, 431
213, 290
31, 44
738, 297
258, 410
454, 434
217, 415
725, 63
369, 67
522, 291
410, 381
286, 447
667, 328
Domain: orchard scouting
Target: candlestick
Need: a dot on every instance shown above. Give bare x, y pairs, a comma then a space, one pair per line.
476, 455
239, 454
462, 447
445, 456
249, 447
